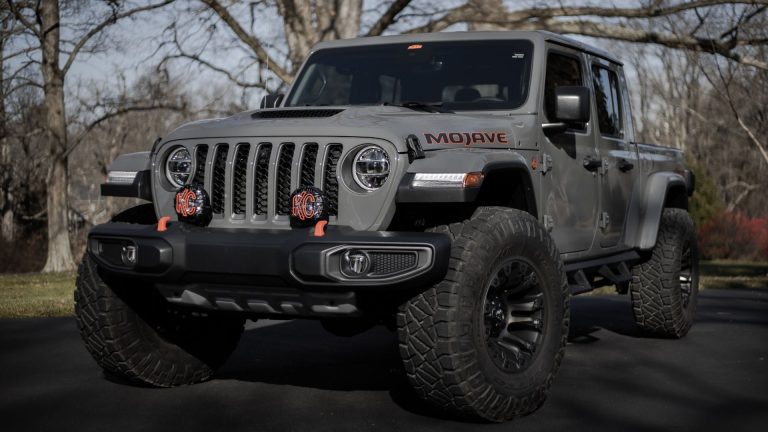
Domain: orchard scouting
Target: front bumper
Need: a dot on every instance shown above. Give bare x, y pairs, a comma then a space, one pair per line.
268, 272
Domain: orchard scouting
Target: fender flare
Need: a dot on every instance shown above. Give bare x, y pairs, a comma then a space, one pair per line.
488, 164
141, 187
644, 223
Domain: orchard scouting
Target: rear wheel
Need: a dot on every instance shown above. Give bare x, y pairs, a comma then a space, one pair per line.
665, 288
488, 340
133, 333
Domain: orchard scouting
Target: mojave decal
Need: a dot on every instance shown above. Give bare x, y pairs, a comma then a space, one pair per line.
467, 138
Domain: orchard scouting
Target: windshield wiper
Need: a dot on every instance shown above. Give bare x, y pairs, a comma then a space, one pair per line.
423, 106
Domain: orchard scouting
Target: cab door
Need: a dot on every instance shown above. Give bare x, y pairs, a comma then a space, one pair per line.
618, 153
569, 199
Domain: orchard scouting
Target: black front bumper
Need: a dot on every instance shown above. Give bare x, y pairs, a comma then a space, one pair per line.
268, 271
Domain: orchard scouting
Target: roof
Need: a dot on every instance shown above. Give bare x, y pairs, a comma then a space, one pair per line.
534, 35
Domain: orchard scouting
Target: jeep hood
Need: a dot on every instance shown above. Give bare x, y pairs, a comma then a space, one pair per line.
392, 123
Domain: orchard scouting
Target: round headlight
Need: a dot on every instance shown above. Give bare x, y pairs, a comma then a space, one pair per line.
371, 168
178, 167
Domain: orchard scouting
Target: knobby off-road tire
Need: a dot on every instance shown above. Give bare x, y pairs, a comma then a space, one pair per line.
134, 334
456, 341
665, 288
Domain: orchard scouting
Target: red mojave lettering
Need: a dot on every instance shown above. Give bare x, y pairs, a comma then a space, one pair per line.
467, 138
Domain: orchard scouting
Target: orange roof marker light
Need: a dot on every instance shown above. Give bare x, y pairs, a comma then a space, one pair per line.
415, 46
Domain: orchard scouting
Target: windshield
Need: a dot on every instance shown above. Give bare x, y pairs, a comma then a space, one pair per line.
474, 75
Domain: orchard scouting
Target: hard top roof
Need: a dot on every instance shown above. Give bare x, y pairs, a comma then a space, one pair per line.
534, 35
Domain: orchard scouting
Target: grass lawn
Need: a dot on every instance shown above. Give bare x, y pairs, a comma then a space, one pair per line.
47, 295
37, 295
733, 274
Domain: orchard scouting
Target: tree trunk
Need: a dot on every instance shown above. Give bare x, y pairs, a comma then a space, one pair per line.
8, 230
59, 251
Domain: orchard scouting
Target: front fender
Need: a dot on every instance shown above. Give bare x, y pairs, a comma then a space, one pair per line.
456, 161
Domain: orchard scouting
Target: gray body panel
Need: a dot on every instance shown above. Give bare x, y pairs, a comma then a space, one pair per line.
132, 162
569, 199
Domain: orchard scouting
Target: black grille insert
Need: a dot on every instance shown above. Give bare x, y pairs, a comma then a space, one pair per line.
308, 160
330, 183
261, 179
239, 179
201, 154
387, 263
297, 113
283, 184
218, 185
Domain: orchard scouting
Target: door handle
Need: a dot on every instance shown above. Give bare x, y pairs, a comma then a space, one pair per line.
625, 165
592, 164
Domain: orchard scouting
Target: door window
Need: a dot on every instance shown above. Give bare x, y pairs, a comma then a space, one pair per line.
607, 100
562, 70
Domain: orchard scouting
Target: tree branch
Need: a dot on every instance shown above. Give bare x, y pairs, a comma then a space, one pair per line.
20, 18
388, 18
113, 18
249, 40
214, 68
117, 113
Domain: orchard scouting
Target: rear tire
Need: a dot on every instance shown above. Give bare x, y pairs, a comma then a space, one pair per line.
134, 334
488, 340
665, 288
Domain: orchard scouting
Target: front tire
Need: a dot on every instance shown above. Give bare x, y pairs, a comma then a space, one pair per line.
665, 288
488, 340
134, 334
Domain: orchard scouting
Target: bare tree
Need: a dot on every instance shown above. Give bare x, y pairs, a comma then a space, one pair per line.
41, 23
305, 23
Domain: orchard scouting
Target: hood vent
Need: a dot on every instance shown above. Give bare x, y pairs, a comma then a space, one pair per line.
295, 113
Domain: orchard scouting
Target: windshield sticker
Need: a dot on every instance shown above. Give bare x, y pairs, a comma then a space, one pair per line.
467, 138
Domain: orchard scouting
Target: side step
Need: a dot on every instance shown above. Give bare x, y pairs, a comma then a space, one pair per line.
585, 276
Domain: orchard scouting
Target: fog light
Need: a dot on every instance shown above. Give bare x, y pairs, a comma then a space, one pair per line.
128, 254
355, 263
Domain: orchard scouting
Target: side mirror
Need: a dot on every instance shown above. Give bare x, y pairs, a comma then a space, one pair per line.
271, 100
572, 104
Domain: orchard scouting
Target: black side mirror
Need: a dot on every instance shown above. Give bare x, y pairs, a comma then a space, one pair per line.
271, 100
572, 104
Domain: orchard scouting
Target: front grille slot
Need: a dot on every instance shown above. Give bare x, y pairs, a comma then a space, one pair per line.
330, 182
261, 179
201, 154
218, 184
283, 179
239, 180
308, 160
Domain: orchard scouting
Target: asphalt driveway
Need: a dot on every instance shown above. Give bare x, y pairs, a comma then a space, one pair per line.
295, 376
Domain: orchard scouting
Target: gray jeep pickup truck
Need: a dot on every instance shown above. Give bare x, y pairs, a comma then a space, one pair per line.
456, 187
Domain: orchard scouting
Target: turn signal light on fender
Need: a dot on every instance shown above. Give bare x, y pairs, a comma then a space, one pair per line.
473, 179
448, 180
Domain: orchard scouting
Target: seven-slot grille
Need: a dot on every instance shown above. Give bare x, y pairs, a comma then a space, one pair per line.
242, 178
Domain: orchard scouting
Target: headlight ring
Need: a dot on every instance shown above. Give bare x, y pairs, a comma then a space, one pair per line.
370, 167
178, 166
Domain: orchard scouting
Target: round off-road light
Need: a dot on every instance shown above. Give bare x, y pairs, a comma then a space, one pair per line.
193, 205
308, 207
355, 263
